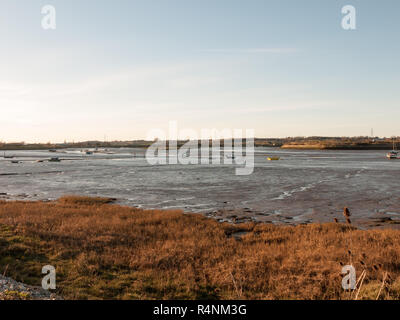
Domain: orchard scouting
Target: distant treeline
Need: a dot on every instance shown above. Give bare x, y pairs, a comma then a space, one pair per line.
343, 143
289, 143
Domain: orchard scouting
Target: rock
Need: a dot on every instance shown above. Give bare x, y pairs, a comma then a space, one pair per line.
13, 290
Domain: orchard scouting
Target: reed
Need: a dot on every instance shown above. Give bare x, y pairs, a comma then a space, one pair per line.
107, 251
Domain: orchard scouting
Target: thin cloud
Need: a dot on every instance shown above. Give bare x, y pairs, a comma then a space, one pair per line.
254, 50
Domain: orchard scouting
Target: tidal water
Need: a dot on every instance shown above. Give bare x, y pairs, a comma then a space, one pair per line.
303, 186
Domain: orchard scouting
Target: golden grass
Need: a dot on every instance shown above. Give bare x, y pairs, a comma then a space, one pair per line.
104, 251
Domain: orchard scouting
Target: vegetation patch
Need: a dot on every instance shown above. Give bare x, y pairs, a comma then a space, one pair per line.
103, 251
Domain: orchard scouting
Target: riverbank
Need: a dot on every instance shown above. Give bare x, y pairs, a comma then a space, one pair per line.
334, 143
105, 251
337, 146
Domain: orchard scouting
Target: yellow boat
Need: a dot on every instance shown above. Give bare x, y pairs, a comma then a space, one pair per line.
273, 158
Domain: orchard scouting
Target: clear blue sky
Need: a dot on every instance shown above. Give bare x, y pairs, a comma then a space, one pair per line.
121, 68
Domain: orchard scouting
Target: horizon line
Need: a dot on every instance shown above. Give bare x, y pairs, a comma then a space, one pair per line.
144, 140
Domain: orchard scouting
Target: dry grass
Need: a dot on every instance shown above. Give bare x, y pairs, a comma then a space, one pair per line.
104, 251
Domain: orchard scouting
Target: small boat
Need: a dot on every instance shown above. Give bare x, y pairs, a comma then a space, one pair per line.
55, 159
273, 158
52, 150
394, 154
89, 152
15, 161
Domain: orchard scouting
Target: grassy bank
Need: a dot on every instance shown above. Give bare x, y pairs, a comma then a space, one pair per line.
104, 251
334, 145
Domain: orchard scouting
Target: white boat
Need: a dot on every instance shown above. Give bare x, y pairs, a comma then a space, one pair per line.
394, 154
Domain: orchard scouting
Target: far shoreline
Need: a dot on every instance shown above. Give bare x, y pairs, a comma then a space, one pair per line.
301, 143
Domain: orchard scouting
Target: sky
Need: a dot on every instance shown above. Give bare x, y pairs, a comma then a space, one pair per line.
118, 69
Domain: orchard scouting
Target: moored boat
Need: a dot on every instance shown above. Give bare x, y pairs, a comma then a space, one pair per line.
394, 154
